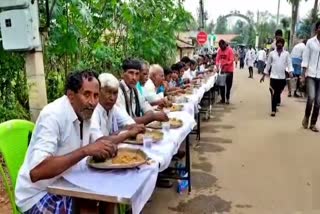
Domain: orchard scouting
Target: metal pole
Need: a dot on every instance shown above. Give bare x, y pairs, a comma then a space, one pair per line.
202, 14
35, 73
278, 13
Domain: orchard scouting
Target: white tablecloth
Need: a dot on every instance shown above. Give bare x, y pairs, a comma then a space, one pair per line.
210, 82
137, 184
134, 183
163, 151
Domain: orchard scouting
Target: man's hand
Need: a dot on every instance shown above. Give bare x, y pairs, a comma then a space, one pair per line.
137, 129
161, 103
101, 149
129, 127
160, 116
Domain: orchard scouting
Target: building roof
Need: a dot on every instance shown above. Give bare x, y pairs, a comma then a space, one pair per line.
183, 44
184, 41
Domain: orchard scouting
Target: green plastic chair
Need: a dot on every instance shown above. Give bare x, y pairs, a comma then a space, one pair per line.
14, 139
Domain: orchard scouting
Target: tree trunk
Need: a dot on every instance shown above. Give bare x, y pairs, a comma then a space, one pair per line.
294, 17
314, 16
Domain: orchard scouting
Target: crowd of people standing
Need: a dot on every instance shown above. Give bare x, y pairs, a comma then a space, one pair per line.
299, 70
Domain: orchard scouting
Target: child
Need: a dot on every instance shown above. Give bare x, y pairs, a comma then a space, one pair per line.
279, 59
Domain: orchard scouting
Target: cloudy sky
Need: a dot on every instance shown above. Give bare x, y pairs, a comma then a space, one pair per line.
223, 7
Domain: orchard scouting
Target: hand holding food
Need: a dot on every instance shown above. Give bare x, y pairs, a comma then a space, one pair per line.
101, 149
161, 116
138, 128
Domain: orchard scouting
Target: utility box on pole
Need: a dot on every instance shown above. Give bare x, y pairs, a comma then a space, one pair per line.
19, 22
11, 4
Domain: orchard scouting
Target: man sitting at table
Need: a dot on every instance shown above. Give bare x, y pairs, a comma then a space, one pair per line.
187, 75
60, 140
143, 77
108, 119
129, 98
155, 81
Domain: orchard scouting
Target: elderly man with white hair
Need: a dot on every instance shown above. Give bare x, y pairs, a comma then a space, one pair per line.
152, 93
108, 119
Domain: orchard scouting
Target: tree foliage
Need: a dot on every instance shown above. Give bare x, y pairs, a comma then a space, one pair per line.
13, 90
305, 26
97, 34
221, 26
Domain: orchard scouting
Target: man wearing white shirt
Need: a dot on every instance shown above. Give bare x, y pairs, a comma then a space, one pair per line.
262, 58
108, 119
296, 56
278, 60
59, 141
156, 78
130, 99
187, 75
277, 34
250, 58
311, 70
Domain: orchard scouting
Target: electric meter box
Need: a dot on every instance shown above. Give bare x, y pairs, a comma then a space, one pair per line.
18, 30
7, 4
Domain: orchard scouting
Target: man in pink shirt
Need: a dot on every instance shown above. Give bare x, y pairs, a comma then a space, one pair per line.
225, 59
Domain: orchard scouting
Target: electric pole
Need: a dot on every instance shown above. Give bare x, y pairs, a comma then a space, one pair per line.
201, 15
278, 13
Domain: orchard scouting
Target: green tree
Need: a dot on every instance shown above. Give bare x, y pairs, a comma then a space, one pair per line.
96, 34
13, 90
314, 16
294, 16
221, 26
305, 27
210, 27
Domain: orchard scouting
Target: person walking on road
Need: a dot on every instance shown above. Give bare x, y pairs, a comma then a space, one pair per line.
225, 59
262, 58
311, 74
250, 58
242, 55
278, 60
296, 55
277, 34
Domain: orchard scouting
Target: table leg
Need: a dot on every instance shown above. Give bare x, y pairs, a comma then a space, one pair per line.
188, 162
198, 126
210, 104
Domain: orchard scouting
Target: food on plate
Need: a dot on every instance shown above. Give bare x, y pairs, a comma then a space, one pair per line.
175, 123
127, 157
176, 108
167, 104
156, 136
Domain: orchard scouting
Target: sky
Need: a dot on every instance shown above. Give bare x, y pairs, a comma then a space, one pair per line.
216, 8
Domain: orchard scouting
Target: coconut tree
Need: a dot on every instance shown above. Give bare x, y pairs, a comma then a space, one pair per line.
294, 16
314, 15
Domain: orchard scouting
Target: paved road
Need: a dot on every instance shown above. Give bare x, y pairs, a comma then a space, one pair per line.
248, 162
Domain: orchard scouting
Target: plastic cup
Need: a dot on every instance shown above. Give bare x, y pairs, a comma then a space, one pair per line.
166, 126
147, 141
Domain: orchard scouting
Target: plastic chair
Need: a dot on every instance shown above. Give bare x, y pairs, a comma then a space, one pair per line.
14, 139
